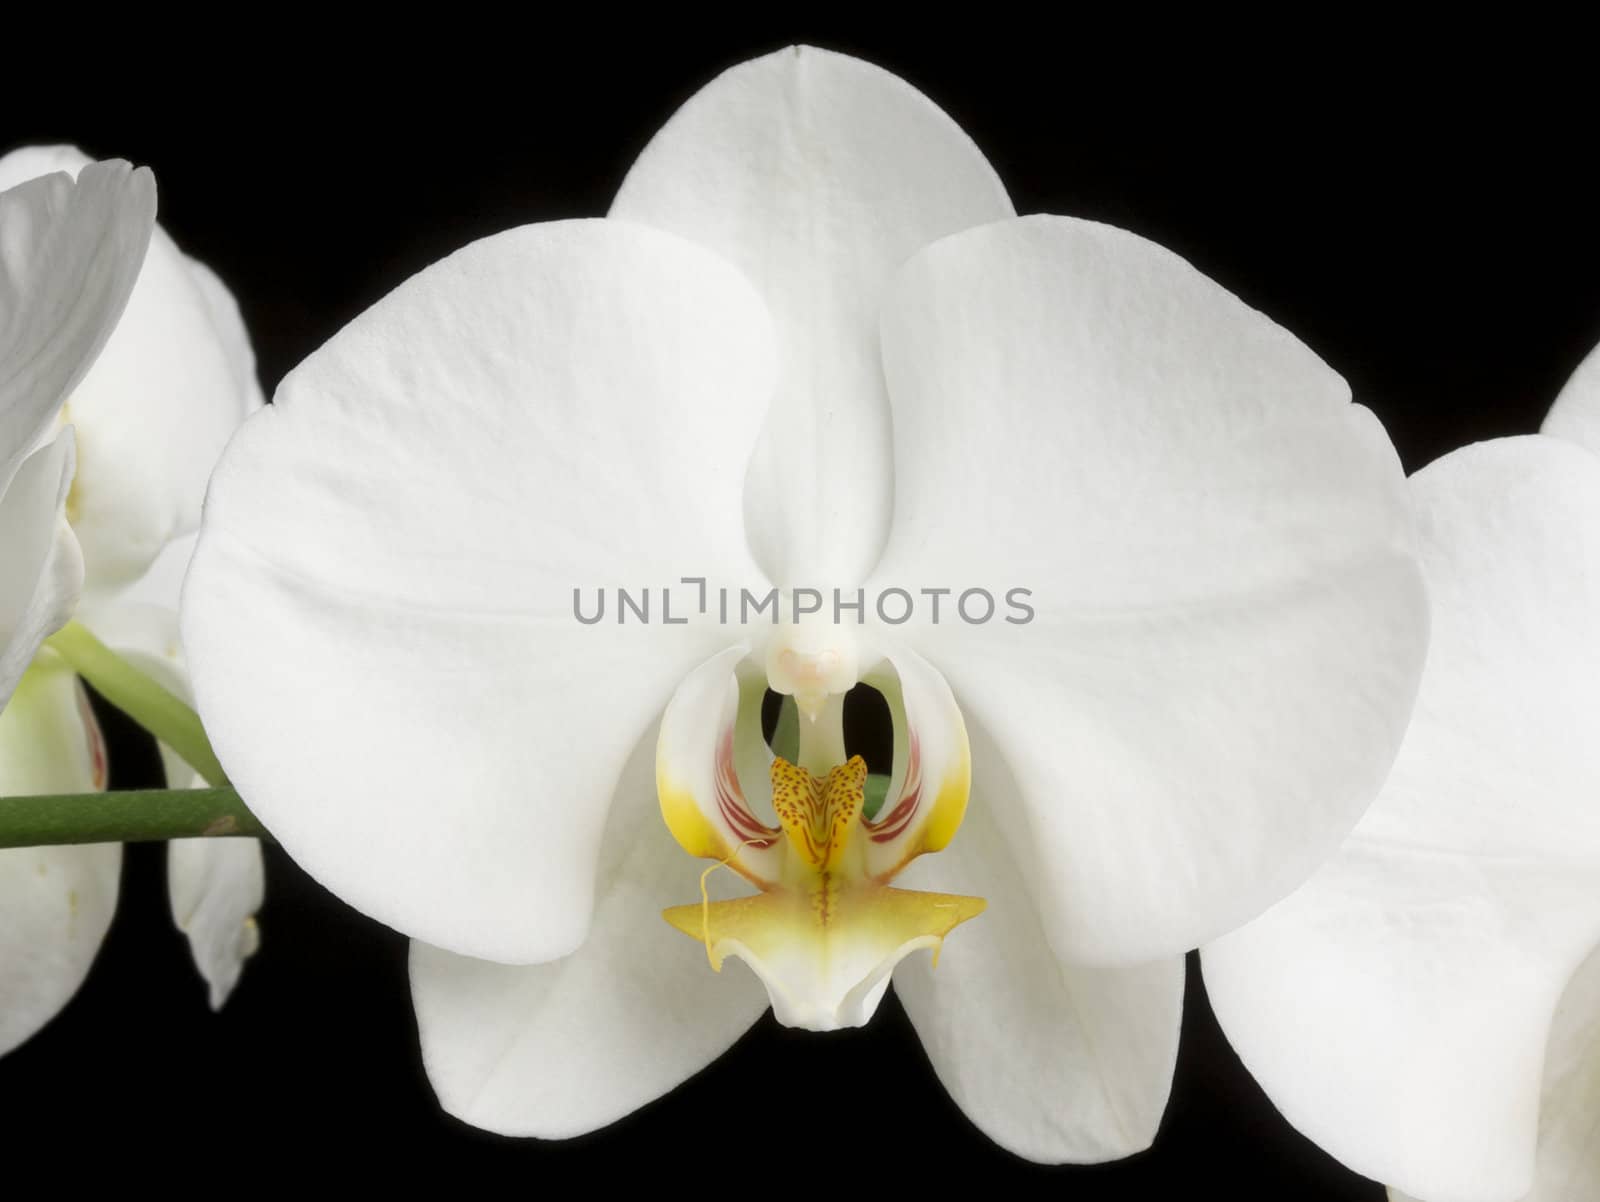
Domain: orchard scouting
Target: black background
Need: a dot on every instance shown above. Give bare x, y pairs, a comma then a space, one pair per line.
1423, 216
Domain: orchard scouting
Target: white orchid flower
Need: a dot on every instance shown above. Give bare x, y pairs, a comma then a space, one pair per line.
70, 252
1567, 1158
174, 378
69, 255
1229, 631
1399, 1006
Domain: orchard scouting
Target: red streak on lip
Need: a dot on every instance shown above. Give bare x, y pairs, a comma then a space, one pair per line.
893, 824
730, 800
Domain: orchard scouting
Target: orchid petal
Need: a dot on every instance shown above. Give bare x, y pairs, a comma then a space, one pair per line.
558, 1049
1055, 1061
380, 614
171, 385
818, 175
69, 255
1568, 1164
215, 887
1229, 617
57, 901
43, 567
1576, 414
160, 588
226, 326
1397, 1007
1569, 1110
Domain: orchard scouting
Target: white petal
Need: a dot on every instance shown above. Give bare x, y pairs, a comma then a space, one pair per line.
1568, 1168
30, 162
172, 384
379, 617
558, 1049
163, 399
1229, 622
232, 337
160, 588
818, 175
69, 255
1576, 414
57, 902
1569, 1116
43, 569
215, 885
1055, 1061
1396, 1008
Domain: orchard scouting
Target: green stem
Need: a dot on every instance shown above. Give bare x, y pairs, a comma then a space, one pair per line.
149, 704
125, 816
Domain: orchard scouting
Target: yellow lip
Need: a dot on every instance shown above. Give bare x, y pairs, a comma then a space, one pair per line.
824, 939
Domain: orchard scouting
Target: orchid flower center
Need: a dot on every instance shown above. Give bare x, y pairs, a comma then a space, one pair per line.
826, 929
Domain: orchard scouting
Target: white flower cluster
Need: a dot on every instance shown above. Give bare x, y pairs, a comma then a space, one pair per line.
1262, 695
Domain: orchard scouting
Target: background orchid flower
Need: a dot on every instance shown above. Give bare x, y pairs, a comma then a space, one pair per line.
70, 255
1567, 1162
56, 903
1230, 618
1575, 415
174, 378
70, 252
1397, 1008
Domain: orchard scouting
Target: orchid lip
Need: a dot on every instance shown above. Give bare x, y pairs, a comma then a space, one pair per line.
826, 928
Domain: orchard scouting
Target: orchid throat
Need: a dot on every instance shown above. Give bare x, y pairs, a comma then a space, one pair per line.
825, 929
